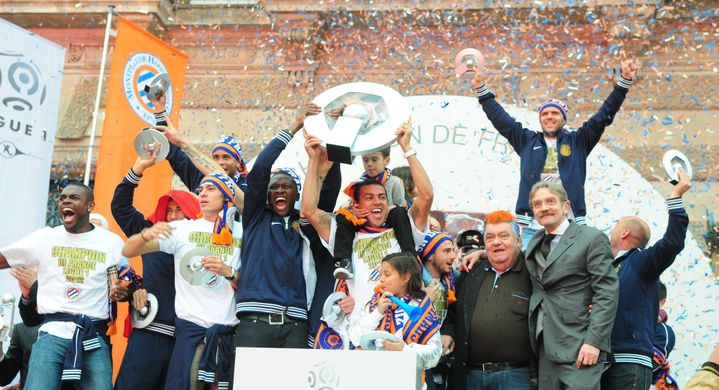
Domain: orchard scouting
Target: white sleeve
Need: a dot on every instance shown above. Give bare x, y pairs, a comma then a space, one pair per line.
171, 244
368, 322
333, 232
27, 250
427, 354
417, 234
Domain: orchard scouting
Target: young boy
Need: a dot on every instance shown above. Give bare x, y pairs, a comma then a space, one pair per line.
375, 166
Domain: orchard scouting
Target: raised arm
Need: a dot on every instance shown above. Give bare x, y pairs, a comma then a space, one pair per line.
505, 124
663, 253
425, 193
320, 220
591, 131
130, 220
203, 163
180, 163
259, 177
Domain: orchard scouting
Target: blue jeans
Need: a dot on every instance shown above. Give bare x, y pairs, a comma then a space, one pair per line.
512, 379
48, 357
627, 376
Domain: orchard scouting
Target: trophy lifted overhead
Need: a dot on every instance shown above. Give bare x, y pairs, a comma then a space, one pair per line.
357, 118
465, 61
148, 140
673, 161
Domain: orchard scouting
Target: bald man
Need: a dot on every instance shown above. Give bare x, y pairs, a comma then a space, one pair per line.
638, 269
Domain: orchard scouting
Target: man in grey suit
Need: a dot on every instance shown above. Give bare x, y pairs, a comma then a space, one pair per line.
571, 269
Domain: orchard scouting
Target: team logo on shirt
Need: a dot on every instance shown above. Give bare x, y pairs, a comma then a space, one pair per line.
72, 293
374, 275
296, 226
212, 281
565, 150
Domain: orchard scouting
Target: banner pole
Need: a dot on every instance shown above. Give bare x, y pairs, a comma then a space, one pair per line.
95, 113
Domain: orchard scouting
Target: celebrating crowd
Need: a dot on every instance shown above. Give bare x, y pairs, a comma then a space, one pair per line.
540, 300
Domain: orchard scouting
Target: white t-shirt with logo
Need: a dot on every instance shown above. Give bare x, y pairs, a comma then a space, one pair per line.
368, 250
71, 272
213, 302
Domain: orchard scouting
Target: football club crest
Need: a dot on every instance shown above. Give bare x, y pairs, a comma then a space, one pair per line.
139, 71
72, 293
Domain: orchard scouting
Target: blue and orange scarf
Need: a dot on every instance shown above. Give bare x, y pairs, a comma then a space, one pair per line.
414, 332
382, 178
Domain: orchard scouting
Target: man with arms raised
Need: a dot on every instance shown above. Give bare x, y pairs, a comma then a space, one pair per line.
373, 240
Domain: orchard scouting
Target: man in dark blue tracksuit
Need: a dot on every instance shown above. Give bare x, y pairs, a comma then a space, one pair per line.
141, 369
556, 154
639, 269
278, 276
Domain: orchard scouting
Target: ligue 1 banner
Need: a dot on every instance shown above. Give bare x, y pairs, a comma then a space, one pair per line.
138, 57
31, 70
30, 80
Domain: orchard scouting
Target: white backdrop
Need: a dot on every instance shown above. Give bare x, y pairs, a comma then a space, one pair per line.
31, 71
474, 169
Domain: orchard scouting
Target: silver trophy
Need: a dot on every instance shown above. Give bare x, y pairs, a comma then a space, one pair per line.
331, 312
147, 140
674, 160
7, 312
374, 341
465, 60
157, 86
369, 115
192, 268
140, 319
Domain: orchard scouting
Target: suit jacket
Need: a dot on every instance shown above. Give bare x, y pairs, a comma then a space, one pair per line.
459, 318
18, 353
579, 273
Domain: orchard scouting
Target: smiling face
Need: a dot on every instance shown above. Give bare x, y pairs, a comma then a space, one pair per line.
74, 205
551, 120
548, 209
373, 198
226, 161
282, 194
503, 245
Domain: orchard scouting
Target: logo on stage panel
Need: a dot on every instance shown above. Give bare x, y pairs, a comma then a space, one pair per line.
139, 70
72, 293
323, 376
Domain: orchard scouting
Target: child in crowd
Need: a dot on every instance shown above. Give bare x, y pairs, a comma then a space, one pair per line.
375, 166
400, 277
